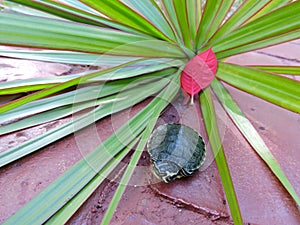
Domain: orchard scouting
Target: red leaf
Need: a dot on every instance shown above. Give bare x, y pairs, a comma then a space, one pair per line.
199, 72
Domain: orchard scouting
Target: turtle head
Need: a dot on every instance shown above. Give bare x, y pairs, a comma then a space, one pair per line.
166, 170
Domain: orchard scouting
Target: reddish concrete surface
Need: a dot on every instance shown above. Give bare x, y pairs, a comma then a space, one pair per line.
260, 194
262, 199
198, 199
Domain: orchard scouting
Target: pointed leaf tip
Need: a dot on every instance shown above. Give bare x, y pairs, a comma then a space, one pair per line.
199, 72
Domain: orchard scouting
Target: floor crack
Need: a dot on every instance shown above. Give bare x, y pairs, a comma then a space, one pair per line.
213, 215
278, 57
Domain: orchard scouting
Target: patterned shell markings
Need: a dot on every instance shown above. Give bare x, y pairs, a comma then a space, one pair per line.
176, 151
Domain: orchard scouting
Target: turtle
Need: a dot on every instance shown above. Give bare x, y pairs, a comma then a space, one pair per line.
176, 151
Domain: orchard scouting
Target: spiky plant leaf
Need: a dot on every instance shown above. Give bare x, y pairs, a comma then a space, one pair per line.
276, 89
244, 13
291, 70
67, 57
210, 122
209, 24
276, 23
42, 207
66, 212
135, 157
247, 129
136, 39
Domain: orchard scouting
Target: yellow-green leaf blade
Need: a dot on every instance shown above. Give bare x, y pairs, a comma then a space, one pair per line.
276, 23
132, 164
163, 100
58, 106
289, 36
31, 31
152, 12
210, 122
115, 105
66, 212
65, 11
272, 5
58, 193
276, 89
242, 14
291, 70
194, 9
252, 136
181, 11
214, 14
121, 13
169, 11
118, 72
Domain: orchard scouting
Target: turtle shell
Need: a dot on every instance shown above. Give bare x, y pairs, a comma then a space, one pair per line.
176, 151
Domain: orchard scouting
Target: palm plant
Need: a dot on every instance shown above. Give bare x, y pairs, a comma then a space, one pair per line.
146, 45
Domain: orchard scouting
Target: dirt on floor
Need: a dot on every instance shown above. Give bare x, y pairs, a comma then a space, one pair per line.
199, 199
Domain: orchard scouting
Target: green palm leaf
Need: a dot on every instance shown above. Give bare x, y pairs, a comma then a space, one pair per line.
145, 44
274, 24
164, 101
129, 99
52, 34
244, 13
42, 207
278, 90
252, 136
210, 122
121, 13
66, 212
209, 24
68, 57
292, 70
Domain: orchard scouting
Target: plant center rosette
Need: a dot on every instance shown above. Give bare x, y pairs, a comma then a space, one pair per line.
199, 72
